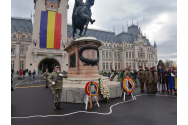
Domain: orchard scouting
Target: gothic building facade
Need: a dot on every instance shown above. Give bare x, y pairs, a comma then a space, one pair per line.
34, 46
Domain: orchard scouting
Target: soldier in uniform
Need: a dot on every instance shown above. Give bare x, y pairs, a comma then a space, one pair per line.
155, 79
46, 74
149, 79
56, 78
126, 74
141, 75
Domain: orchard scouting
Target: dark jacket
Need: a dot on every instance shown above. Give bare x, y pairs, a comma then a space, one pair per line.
29, 73
24, 72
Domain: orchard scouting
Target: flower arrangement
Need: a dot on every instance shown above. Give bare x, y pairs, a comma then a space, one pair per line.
104, 90
128, 85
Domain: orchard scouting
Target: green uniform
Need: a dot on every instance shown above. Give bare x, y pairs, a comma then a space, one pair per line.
126, 74
141, 75
57, 88
46, 74
149, 80
155, 80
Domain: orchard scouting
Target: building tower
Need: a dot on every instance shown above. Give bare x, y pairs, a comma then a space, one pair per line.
49, 35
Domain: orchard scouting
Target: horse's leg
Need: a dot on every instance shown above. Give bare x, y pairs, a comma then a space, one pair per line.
73, 31
81, 30
86, 26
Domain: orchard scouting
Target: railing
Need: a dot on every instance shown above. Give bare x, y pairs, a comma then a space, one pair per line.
47, 51
26, 39
13, 38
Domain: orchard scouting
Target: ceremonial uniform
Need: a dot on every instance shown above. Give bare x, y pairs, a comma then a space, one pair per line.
46, 74
155, 81
141, 75
56, 78
149, 79
126, 74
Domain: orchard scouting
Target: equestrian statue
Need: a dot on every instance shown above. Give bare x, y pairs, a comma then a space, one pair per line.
81, 16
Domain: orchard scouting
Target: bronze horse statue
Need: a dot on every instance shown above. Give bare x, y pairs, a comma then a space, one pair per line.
81, 16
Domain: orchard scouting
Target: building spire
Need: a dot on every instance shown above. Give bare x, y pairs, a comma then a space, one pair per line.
114, 29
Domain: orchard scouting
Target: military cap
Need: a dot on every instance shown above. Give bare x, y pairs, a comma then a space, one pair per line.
141, 66
56, 66
146, 68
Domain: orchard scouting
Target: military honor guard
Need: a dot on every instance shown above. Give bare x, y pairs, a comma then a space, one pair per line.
56, 80
141, 75
46, 74
155, 79
149, 79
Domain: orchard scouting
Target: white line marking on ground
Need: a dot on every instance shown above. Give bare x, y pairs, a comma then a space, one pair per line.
43, 116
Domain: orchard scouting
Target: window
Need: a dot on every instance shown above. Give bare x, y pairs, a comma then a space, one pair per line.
141, 55
52, 6
22, 50
115, 55
119, 66
12, 64
115, 65
103, 56
110, 54
126, 54
110, 66
29, 36
129, 54
132, 54
106, 66
13, 49
127, 64
106, 54
151, 56
130, 64
103, 66
138, 65
118, 55
21, 65
23, 36
144, 65
14, 36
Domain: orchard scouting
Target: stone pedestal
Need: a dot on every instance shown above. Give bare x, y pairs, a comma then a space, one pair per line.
76, 67
79, 73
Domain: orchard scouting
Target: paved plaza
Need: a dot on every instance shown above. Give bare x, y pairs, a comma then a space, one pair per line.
32, 104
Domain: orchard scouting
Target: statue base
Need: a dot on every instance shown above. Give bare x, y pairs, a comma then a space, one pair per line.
83, 53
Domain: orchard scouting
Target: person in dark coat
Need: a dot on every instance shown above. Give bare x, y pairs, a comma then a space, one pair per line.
24, 71
166, 75
141, 75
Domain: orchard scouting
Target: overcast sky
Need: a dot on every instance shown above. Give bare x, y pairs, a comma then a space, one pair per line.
156, 18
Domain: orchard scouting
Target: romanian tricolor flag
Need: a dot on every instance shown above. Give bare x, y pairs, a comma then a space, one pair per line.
50, 30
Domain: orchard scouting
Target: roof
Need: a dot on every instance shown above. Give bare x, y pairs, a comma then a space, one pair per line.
21, 24
97, 33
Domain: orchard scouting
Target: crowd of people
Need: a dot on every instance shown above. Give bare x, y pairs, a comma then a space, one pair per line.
151, 79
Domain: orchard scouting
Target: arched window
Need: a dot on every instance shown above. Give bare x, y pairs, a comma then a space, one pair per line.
103, 56
23, 36
14, 36
52, 7
106, 54
21, 65
29, 36
115, 65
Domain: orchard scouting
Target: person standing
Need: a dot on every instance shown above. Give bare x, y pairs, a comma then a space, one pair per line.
46, 74
33, 75
39, 71
29, 75
161, 82
24, 71
149, 79
56, 78
141, 75
155, 79
166, 79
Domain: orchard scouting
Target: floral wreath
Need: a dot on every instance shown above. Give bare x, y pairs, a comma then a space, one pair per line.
104, 90
87, 88
126, 83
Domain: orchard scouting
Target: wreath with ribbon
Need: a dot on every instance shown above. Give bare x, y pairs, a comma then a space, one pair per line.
126, 82
88, 90
88, 61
